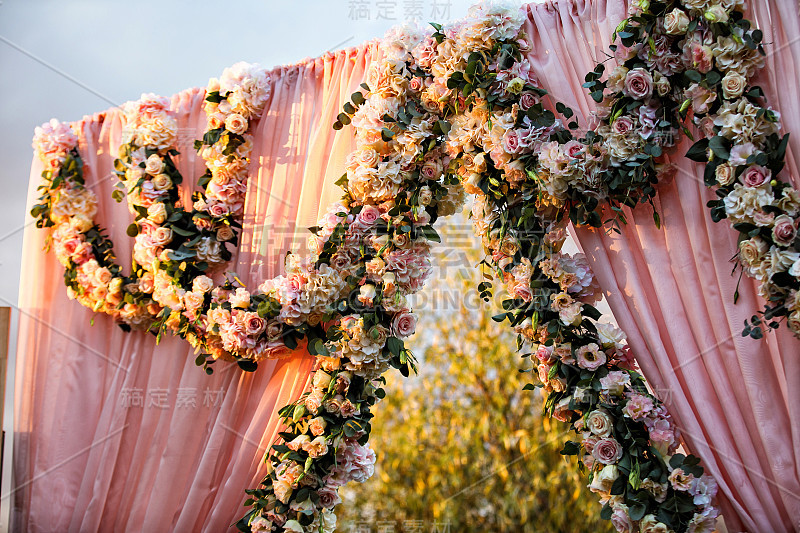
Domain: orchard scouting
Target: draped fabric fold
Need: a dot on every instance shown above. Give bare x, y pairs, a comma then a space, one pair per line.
114, 432
735, 399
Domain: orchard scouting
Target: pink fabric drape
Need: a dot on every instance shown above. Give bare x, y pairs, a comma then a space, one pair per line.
735, 399
116, 433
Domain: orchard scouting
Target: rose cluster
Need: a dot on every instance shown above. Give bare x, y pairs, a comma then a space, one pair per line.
458, 107
695, 59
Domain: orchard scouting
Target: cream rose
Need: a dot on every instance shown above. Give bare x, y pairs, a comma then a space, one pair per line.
599, 423
725, 174
676, 22
154, 165
751, 251
202, 284
425, 195
157, 213
321, 380
604, 479
661, 83
162, 182
161, 236
225, 233
733, 85
236, 123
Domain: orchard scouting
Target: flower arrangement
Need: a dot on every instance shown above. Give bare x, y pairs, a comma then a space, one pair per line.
695, 60
446, 113
460, 106
174, 248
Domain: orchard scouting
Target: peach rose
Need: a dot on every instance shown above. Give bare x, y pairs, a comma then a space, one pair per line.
236, 123
202, 284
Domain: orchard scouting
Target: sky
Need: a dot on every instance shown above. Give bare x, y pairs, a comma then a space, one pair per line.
70, 58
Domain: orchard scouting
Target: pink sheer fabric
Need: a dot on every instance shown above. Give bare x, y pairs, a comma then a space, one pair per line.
116, 433
735, 399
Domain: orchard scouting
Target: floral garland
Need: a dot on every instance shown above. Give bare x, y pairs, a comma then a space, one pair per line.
460, 105
447, 112
698, 57
168, 288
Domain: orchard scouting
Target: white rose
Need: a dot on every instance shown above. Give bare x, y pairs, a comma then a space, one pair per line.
604, 479
616, 80
202, 284
610, 335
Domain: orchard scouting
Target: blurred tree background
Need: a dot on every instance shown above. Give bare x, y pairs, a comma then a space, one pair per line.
461, 447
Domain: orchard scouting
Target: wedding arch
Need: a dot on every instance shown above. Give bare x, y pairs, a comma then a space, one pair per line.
446, 113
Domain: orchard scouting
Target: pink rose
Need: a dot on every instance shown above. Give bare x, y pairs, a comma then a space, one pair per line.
236, 123
784, 231
416, 84
429, 172
544, 353
607, 451
701, 98
528, 100
253, 324
621, 521
276, 350
369, 215
217, 209
328, 497
574, 149
622, 125
404, 324
638, 84
511, 142
755, 176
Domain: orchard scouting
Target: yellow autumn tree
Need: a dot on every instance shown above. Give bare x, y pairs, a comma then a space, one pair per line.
461, 446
